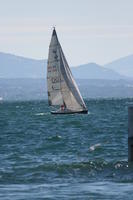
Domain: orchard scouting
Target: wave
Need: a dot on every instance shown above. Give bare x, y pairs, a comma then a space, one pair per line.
41, 114
95, 146
119, 171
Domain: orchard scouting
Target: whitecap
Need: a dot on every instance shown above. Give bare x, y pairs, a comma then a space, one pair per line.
95, 146
40, 114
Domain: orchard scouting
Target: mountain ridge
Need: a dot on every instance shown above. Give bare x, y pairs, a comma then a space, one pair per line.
13, 66
123, 65
94, 71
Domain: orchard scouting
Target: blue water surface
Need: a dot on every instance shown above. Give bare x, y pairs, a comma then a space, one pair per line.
43, 156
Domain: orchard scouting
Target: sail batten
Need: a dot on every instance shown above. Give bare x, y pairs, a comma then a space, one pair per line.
62, 88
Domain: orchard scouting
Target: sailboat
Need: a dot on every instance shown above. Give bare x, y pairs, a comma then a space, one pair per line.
62, 89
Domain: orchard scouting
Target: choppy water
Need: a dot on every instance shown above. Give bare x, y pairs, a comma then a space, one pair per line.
43, 156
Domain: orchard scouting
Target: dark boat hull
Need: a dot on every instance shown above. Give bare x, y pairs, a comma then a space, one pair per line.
68, 112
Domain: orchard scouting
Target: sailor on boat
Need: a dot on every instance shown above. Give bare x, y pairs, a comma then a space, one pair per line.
62, 107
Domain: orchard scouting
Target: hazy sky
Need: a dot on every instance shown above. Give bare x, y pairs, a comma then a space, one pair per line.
89, 30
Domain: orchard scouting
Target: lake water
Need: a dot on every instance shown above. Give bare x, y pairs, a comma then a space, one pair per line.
43, 156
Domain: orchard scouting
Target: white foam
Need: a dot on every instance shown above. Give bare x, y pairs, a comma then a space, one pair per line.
40, 114
95, 146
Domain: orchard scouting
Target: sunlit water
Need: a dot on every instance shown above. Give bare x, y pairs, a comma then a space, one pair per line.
43, 156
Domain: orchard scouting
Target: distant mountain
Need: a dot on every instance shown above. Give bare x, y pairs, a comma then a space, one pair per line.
95, 71
12, 66
123, 66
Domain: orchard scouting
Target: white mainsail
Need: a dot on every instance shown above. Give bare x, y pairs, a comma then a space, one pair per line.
62, 88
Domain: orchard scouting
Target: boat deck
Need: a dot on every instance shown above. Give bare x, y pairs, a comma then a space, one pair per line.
69, 112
